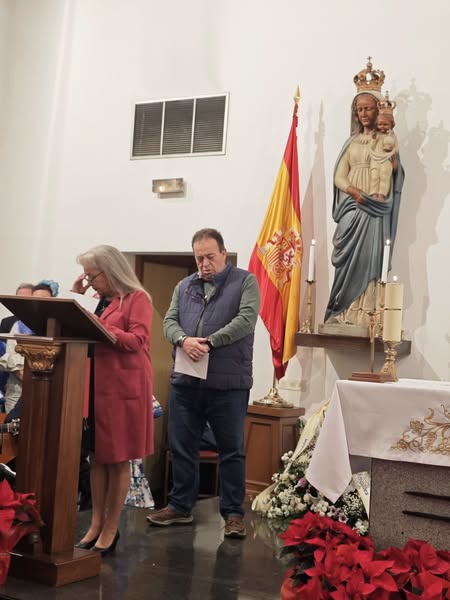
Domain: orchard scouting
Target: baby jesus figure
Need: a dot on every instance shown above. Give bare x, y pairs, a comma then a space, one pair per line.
382, 156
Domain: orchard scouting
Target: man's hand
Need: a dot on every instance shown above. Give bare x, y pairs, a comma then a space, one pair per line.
195, 347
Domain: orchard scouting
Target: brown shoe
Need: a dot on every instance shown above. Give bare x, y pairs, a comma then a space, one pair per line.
234, 527
167, 516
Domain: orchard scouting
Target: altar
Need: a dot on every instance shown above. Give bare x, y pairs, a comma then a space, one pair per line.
404, 427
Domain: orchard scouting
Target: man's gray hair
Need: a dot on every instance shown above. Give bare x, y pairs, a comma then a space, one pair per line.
24, 286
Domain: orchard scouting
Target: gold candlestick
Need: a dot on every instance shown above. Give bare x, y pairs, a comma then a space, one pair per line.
389, 366
372, 323
381, 306
370, 376
307, 325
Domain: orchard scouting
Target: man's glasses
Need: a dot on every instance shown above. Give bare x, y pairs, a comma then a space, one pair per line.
90, 278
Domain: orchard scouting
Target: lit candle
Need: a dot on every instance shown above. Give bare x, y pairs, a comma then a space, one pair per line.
385, 266
311, 260
394, 295
392, 321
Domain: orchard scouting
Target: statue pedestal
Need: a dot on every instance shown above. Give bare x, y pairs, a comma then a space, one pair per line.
342, 329
269, 433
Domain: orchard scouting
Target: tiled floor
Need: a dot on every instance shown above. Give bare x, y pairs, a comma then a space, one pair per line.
175, 563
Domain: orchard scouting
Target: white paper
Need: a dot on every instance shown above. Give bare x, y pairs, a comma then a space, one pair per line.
187, 366
87, 302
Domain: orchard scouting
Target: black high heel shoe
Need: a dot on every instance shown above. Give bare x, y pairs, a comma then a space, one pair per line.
86, 545
109, 549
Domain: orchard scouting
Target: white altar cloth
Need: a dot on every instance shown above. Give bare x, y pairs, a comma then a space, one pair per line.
408, 420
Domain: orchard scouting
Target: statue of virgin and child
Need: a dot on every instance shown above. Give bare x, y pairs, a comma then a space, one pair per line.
368, 180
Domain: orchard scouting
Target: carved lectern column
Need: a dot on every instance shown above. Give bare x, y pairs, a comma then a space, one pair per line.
48, 458
40, 357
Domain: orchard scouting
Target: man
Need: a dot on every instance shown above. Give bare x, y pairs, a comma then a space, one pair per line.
6, 324
213, 311
24, 289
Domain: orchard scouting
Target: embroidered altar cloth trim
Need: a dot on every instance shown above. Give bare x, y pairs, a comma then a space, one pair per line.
408, 420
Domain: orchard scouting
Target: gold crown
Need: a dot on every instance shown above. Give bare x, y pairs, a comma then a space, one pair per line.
367, 79
386, 106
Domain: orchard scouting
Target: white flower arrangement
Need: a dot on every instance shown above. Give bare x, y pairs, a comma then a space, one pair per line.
293, 496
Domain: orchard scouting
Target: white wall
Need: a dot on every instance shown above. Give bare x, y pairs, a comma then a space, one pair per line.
3, 46
75, 68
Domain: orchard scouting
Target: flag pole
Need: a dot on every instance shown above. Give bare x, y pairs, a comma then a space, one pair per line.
269, 245
273, 398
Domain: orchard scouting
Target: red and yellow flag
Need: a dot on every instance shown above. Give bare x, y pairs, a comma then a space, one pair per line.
277, 258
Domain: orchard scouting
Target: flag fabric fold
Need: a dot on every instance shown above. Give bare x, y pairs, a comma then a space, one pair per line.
277, 257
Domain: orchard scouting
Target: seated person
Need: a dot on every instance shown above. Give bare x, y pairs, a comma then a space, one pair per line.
23, 289
6, 324
47, 288
11, 361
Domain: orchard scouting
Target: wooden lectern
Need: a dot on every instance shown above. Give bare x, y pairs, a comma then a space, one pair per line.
48, 458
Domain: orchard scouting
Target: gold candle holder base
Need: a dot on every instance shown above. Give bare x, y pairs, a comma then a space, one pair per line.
389, 366
274, 400
370, 376
307, 325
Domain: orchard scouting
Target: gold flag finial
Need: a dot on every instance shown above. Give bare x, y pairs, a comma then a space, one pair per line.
297, 95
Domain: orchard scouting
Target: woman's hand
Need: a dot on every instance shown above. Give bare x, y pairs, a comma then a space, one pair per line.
80, 285
355, 193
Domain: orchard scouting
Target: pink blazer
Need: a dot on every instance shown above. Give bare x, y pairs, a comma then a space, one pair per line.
124, 382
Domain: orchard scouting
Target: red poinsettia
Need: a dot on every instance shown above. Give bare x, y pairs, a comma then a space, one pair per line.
18, 517
333, 562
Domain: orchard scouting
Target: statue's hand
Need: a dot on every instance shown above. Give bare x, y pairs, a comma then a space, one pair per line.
355, 194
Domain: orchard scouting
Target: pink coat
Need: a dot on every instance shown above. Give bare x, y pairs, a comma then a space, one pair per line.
124, 382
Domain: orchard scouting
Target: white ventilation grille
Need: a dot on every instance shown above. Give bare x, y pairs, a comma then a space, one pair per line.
183, 127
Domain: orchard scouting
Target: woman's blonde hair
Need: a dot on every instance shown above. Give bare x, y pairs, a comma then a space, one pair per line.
115, 267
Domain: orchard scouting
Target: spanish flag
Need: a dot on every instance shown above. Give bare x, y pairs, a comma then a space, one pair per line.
277, 257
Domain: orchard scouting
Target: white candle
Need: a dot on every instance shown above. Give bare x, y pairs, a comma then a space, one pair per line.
394, 296
385, 267
392, 318
312, 249
392, 325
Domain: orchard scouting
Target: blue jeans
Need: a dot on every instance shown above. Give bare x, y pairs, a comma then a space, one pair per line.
225, 410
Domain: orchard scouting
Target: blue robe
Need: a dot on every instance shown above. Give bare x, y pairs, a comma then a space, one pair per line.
359, 239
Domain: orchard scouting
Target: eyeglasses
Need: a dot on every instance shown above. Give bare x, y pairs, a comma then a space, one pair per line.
90, 278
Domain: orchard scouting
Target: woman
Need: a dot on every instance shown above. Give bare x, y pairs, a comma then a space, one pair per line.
47, 288
120, 422
364, 223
